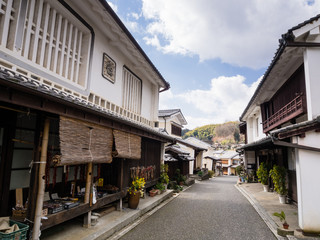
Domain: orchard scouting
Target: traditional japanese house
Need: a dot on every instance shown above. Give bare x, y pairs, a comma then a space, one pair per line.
78, 106
176, 158
172, 121
281, 121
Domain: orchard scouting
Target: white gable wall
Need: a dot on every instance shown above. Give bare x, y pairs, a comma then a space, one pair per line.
308, 177
254, 126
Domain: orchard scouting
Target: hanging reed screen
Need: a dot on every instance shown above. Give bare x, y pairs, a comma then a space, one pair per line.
82, 142
127, 145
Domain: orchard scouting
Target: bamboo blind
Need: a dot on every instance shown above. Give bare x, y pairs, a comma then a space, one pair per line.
127, 145
82, 142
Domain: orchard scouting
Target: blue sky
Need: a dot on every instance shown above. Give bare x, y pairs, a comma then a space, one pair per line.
212, 52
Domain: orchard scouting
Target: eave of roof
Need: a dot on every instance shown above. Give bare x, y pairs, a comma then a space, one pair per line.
172, 112
283, 42
291, 130
132, 39
191, 145
16, 79
262, 142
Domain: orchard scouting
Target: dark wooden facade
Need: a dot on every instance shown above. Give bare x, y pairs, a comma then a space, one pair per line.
18, 104
288, 103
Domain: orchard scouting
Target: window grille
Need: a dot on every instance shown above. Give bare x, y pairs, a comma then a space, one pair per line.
46, 34
132, 89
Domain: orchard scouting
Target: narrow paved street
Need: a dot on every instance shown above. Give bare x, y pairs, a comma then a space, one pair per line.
212, 209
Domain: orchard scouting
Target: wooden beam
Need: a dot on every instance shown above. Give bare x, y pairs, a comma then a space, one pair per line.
60, 217
294, 145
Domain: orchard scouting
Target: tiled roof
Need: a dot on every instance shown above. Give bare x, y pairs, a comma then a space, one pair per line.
191, 145
176, 149
30, 83
229, 155
282, 45
168, 112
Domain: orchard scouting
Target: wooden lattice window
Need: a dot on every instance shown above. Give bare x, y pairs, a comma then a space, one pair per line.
132, 91
46, 35
175, 130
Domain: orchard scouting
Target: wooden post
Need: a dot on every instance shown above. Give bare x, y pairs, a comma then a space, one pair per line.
88, 195
41, 180
121, 184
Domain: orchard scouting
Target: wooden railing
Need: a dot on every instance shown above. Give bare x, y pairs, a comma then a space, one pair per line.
286, 113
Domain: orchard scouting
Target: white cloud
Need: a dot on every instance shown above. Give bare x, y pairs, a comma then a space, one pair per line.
113, 6
224, 101
242, 33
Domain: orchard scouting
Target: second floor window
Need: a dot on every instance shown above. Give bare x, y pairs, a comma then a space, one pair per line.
175, 130
132, 92
257, 127
46, 35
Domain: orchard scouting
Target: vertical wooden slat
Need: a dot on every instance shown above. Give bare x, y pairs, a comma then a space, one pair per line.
66, 73
37, 31
44, 34
124, 82
78, 58
74, 49
6, 24
56, 53
53, 23
29, 26
63, 46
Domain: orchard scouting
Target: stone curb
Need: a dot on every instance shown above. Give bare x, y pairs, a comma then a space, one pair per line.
134, 221
263, 214
129, 219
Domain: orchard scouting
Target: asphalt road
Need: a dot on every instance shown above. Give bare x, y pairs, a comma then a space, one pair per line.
211, 209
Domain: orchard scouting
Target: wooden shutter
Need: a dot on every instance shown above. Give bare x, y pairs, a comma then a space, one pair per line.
127, 145
82, 142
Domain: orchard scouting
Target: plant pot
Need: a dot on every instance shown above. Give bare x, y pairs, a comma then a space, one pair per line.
134, 199
285, 225
266, 188
153, 192
282, 199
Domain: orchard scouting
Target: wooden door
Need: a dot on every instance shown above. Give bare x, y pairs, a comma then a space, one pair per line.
7, 130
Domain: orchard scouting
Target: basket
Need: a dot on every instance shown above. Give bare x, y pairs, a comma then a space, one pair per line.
19, 215
21, 234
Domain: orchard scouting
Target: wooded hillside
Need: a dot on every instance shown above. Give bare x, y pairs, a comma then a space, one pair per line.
226, 133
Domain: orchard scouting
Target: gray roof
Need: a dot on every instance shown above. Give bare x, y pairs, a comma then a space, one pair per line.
191, 145
285, 39
168, 112
176, 149
229, 155
29, 83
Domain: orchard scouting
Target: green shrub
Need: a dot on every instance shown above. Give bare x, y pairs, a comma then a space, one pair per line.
262, 173
279, 178
211, 173
160, 186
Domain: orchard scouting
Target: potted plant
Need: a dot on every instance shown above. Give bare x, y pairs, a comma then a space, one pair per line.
179, 177
279, 178
160, 186
164, 178
263, 176
282, 217
153, 192
239, 171
135, 191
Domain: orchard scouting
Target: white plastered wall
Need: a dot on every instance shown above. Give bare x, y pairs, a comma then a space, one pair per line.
312, 73
308, 179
